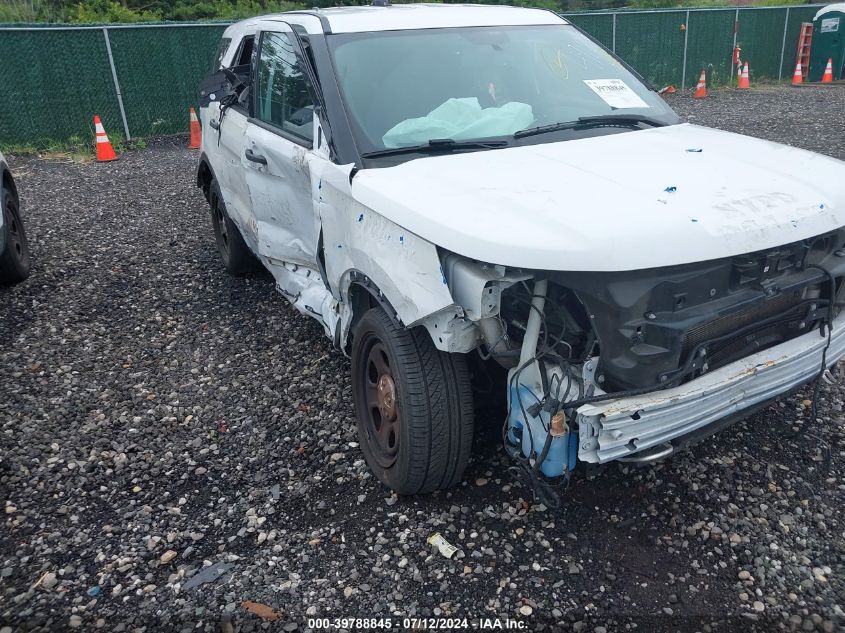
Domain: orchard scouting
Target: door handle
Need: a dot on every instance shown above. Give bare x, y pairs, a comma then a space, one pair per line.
214, 124
255, 158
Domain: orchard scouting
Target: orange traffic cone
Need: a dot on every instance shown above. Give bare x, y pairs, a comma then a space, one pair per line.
797, 76
105, 151
196, 132
744, 81
701, 88
828, 72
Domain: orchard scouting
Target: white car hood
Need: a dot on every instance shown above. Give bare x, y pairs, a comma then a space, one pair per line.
607, 203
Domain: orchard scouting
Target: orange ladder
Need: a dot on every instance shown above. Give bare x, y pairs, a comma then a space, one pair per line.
805, 40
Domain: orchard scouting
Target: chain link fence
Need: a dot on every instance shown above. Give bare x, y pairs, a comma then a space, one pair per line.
142, 78
672, 46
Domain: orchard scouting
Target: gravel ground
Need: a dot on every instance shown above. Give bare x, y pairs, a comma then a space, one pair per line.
811, 116
159, 416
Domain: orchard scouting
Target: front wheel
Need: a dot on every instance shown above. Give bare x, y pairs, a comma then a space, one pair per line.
413, 404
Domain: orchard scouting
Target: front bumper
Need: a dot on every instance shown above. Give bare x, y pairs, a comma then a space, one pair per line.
621, 428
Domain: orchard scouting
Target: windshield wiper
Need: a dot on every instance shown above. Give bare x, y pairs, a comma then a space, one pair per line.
591, 121
621, 118
436, 145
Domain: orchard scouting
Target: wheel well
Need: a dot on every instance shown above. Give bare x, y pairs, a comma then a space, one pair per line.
447, 330
9, 182
361, 299
363, 295
204, 177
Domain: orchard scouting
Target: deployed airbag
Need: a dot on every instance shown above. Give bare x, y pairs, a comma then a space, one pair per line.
460, 119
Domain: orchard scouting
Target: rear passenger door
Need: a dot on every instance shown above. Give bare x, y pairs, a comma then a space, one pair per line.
278, 152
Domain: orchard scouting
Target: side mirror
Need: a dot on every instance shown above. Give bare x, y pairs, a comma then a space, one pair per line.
215, 87
222, 83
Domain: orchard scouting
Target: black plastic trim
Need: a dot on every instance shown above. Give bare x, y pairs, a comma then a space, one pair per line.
203, 161
343, 142
357, 278
4, 173
293, 138
651, 323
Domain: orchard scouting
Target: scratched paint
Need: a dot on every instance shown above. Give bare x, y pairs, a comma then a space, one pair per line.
562, 205
403, 266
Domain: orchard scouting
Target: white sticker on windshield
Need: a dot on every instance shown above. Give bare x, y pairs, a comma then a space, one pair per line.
616, 93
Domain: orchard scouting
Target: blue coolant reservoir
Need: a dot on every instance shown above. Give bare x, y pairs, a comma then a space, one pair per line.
531, 432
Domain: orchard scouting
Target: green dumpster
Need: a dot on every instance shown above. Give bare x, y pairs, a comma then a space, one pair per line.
828, 41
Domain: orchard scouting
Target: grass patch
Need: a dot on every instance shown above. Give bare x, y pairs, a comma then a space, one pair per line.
74, 148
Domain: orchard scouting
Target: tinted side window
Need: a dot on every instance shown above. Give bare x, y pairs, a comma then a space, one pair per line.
221, 51
245, 54
283, 96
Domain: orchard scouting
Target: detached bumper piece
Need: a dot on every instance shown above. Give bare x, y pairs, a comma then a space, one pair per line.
617, 429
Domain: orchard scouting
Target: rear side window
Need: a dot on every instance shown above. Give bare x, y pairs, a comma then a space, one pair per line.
283, 92
244, 55
221, 52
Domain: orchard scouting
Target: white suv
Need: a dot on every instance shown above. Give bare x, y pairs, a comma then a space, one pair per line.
482, 202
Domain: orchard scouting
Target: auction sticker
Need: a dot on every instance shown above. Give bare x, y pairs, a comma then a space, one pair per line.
616, 93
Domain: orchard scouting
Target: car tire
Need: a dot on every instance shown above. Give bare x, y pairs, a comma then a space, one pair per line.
15, 262
235, 254
413, 404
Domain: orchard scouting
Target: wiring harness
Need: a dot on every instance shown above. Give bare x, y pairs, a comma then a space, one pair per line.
527, 468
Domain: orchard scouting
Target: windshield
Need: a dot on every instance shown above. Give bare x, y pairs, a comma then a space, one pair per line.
405, 88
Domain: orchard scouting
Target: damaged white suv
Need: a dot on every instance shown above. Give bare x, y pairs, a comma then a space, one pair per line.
482, 202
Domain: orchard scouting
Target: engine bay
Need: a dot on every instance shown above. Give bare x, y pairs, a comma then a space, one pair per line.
571, 339
666, 325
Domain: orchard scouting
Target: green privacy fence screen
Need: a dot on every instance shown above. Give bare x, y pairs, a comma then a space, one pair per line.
141, 79
672, 46
57, 78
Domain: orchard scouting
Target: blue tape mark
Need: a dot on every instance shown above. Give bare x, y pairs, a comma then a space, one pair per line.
361, 218
401, 239
694, 220
671, 189
320, 184
695, 150
821, 206
339, 246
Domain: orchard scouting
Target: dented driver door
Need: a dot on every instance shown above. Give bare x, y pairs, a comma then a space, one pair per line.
277, 152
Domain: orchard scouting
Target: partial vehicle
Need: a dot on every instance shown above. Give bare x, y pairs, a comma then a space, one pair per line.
14, 250
484, 200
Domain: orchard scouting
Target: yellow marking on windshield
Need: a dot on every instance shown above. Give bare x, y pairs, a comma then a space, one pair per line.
555, 60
